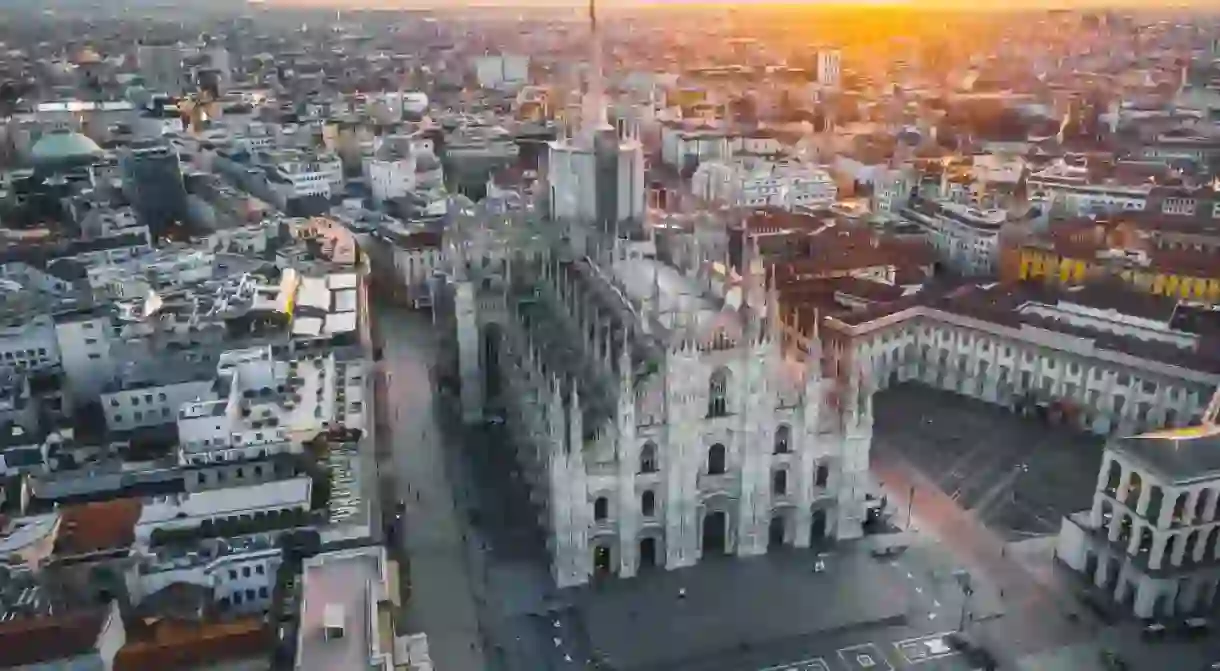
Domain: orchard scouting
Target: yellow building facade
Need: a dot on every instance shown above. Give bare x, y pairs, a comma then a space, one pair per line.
1045, 265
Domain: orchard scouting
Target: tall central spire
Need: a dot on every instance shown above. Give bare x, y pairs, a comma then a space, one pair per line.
594, 112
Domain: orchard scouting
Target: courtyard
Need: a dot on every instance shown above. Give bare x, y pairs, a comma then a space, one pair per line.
1018, 475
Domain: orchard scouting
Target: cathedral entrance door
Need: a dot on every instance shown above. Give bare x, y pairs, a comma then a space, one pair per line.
601, 560
648, 552
817, 528
715, 533
775, 533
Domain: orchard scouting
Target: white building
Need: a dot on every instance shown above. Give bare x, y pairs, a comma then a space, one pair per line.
296, 174
28, 344
830, 67
393, 169
965, 238
683, 146
151, 402
83, 339
343, 595
502, 71
1152, 536
1106, 371
190, 510
240, 572
1075, 191
757, 182
597, 176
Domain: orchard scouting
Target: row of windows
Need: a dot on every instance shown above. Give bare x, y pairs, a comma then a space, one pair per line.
115, 401
239, 473
139, 416
39, 353
259, 569
262, 593
648, 499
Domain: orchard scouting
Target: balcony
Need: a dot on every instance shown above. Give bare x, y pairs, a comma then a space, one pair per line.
722, 483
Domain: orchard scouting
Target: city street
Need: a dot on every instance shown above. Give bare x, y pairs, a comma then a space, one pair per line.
442, 600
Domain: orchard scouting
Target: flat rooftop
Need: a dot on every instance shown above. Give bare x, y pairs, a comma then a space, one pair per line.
1182, 455
347, 583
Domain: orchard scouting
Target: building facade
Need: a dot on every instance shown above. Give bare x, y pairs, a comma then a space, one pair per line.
152, 181
658, 428
1152, 536
1108, 373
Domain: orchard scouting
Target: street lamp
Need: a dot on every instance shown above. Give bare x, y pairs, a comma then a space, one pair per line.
963, 581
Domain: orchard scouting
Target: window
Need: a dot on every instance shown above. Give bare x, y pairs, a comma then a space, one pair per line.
779, 482
94, 355
648, 503
716, 460
783, 434
114, 402
161, 396
245, 571
718, 391
823, 476
260, 569
232, 574
118, 419
262, 592
648, 458
601, 509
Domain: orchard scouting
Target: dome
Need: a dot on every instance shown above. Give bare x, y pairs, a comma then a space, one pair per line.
64, 146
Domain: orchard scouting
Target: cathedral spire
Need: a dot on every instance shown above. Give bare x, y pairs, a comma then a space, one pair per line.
593, 114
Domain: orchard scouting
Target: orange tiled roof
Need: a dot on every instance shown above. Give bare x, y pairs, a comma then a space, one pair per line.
37, 640
182, 645
91, 527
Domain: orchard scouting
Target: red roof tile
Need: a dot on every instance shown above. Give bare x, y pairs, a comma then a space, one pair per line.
36, 640
91, 527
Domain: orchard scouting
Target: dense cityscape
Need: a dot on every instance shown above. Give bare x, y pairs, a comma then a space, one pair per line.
631, 337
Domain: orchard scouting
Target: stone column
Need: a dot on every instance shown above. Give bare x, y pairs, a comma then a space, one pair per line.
1160, 542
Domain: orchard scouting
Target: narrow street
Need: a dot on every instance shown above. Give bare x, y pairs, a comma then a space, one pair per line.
443, 594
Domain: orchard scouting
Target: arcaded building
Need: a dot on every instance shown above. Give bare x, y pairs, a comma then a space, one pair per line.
1152, 537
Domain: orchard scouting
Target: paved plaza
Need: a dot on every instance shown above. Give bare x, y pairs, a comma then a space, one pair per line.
1018, 475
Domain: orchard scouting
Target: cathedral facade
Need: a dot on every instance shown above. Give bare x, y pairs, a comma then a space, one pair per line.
659, 409
660, 412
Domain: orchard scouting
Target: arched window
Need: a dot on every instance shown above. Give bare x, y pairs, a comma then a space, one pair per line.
716, 460
718, 393
1133, 492
779, 482
648, 503
823, 476
783, 438
648, 458
601, 509
1201, 505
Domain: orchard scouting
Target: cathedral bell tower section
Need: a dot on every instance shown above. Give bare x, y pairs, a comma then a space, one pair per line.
857, 440
469, 365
